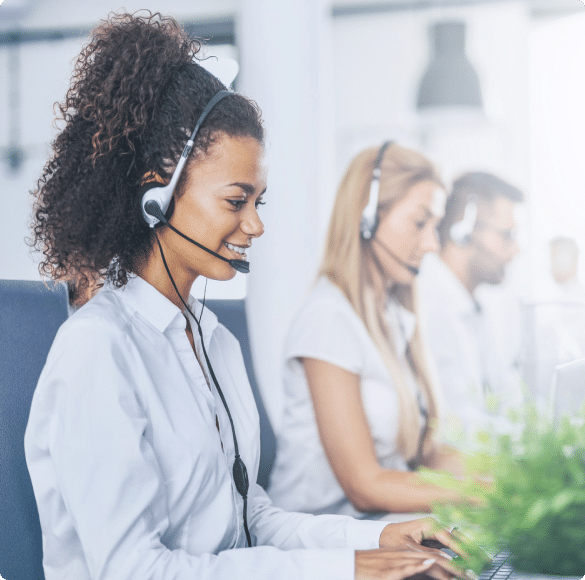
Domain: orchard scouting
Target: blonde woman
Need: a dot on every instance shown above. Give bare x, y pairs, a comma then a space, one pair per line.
360, 402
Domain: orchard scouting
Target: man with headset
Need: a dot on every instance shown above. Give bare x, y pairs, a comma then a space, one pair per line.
477, 236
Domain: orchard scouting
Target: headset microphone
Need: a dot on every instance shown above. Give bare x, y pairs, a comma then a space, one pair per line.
156, 198
404, 264
152, 208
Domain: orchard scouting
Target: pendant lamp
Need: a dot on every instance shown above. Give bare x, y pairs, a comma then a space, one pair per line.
450, 80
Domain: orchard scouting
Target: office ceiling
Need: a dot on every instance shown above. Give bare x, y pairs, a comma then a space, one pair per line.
538, 7
19, 11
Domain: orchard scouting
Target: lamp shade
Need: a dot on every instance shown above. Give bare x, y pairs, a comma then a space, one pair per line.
450, 80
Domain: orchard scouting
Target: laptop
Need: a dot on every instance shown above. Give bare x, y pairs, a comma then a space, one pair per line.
567, 395
501, 569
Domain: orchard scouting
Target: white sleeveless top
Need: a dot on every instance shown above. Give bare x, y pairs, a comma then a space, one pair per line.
328, 328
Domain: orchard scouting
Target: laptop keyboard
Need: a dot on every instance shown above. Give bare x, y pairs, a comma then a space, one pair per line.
500, 568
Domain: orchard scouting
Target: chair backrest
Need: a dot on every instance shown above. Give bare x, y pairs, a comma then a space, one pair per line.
232, 314
30, 314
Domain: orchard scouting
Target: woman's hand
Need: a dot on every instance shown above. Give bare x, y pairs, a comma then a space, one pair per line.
413, 535
388, 564
409, 535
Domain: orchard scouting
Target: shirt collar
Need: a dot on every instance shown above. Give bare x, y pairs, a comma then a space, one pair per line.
158, 310
208, 321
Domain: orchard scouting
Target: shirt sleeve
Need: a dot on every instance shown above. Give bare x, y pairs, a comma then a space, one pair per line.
328, 330
113, 490
290, 530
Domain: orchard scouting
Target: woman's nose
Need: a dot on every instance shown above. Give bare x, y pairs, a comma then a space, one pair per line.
252, 225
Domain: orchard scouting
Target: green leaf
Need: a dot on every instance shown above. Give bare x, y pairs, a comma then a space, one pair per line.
565, 498
535, 513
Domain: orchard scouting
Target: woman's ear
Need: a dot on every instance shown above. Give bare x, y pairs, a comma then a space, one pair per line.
151, 177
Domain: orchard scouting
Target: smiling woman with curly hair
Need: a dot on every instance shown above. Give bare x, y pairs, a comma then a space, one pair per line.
141, 427
135, 90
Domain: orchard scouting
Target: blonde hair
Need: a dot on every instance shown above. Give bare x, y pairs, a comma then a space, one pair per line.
349, 263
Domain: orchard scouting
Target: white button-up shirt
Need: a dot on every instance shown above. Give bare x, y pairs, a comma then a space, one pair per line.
327, 328
465, 349
131, 476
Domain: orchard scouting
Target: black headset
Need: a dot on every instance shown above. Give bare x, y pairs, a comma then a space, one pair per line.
369, 220
155, 201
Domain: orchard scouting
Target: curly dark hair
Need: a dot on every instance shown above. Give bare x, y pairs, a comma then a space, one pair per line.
135, 96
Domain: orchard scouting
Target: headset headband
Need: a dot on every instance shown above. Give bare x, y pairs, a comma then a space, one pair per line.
369, 221
163, 195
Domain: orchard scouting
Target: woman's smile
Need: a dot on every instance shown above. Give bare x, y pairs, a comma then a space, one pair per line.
218, 208
240, 250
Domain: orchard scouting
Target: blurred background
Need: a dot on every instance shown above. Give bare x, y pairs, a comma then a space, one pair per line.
476, 85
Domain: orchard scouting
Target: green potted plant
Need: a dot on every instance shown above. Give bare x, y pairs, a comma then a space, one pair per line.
530, 500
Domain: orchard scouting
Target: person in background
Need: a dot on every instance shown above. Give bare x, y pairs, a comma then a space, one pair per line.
477, 235
143, 419
555, 322
564, 268
360, 401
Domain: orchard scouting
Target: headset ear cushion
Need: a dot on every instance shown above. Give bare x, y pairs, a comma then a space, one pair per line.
143, 190
460, 232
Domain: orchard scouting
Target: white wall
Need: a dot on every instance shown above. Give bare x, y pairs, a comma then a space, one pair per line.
557, 128
284, 51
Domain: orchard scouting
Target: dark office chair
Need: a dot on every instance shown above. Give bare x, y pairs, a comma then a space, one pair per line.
232, 314
30, 314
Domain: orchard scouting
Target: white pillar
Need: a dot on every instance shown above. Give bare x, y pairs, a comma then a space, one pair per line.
284, 48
